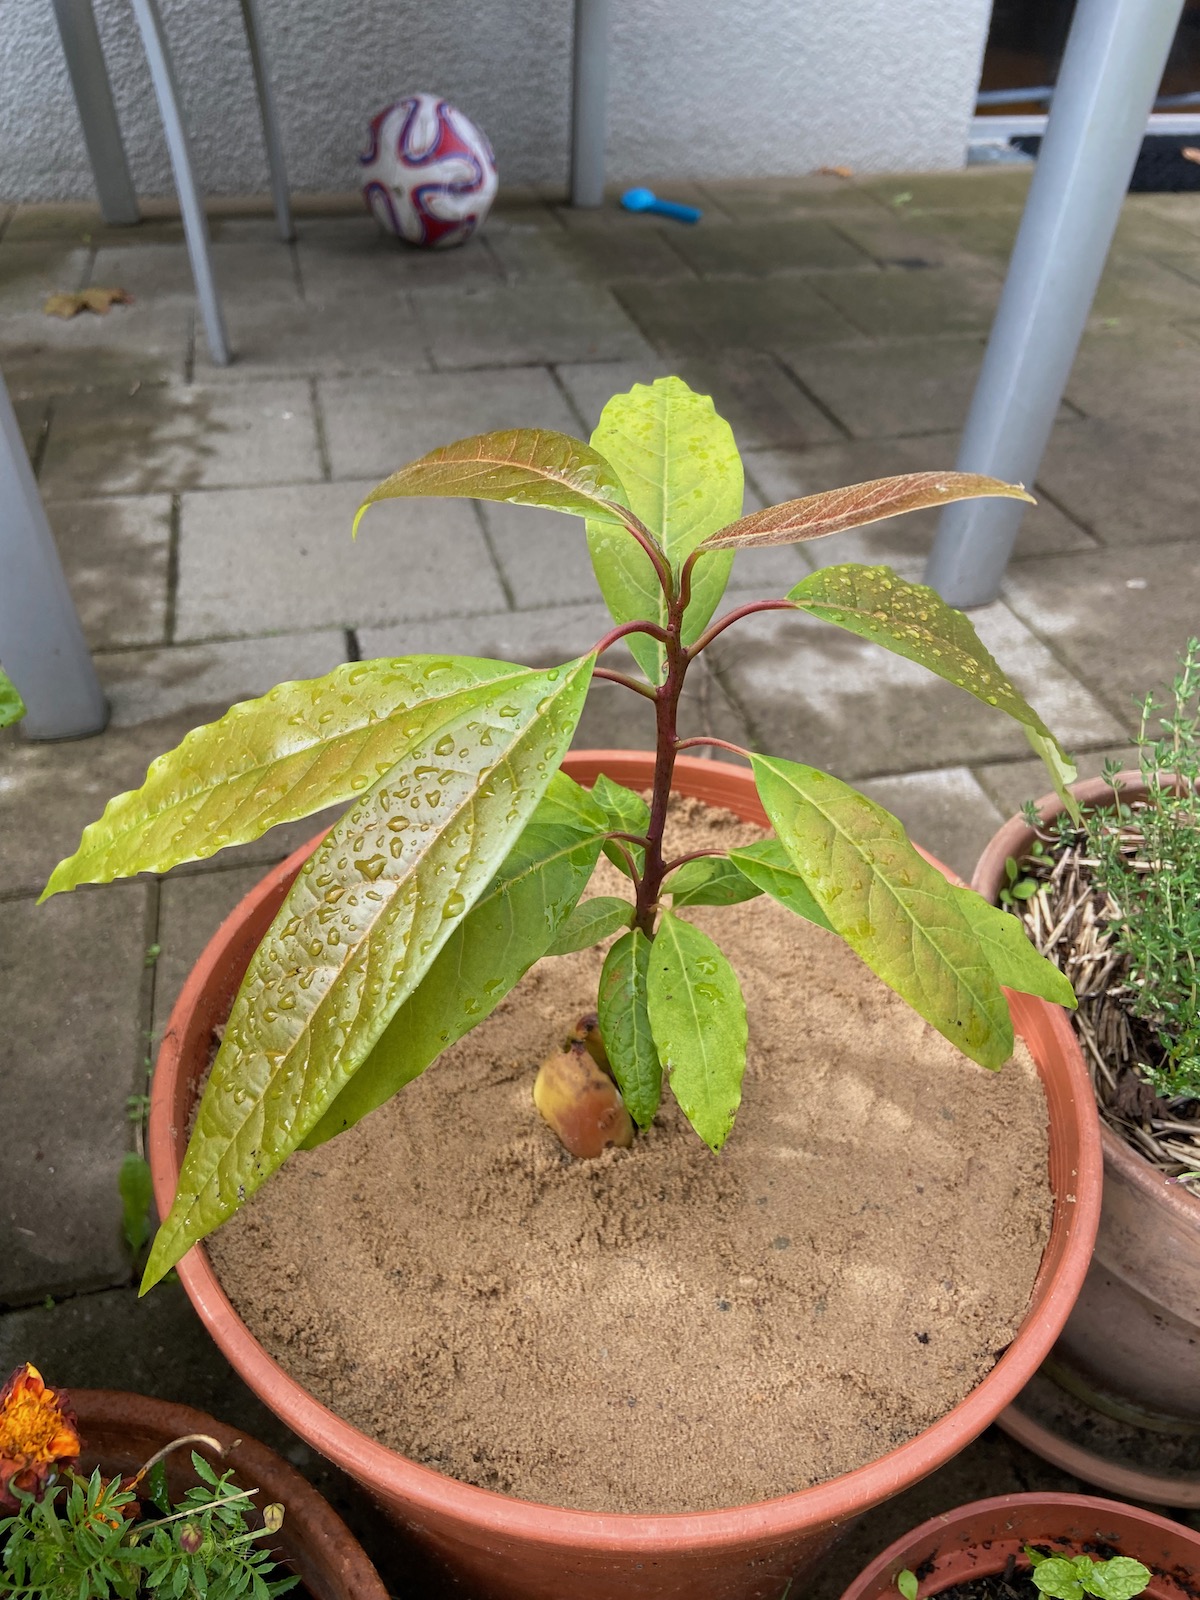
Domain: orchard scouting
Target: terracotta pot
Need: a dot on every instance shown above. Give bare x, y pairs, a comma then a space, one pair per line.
121, 1431
976, 1541
1134, 1335
521, 1551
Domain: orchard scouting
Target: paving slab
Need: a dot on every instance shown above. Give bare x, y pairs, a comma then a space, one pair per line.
542, 555
318, 337
611, 216
605, 256
252, 560
179, 436
893, 239
350, 257
900, 542
924, 302
522, 324
762, 249
886, 390
130, 345
69, 1063
970, 189
1009, 784
811, 195
1118, 618
83, 224
701, 319
374, 425
1129, 479
248, 271
1137, 287
33, 419
116, 555
810, 692
1127, 374
191, 907
758, 397
201, 681
31, 272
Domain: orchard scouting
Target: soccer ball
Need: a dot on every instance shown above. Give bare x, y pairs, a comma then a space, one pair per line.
429, 173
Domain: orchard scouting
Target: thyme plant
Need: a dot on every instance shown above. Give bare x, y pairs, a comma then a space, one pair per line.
464, 853
1149, 863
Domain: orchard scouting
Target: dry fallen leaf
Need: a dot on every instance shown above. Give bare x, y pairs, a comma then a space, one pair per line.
97, 300
835, 172
1191, 153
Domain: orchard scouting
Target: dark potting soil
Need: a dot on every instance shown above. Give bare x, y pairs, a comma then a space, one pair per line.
1007, 1585
663, 1329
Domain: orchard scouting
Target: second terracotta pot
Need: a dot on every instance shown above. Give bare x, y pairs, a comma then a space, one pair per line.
1134, 1335
976, 1541
516, 1550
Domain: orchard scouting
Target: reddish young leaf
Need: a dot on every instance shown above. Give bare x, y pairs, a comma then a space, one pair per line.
837, 509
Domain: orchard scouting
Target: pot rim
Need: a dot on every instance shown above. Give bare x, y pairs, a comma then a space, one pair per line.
1014, 839
837, 1499
996, 1506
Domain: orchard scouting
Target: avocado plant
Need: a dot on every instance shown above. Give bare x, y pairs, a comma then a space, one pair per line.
464, 852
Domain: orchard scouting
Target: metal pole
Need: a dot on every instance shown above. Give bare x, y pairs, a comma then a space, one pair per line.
1114, 61
266, 106
93, 98
41, 642
195, 224
589, 106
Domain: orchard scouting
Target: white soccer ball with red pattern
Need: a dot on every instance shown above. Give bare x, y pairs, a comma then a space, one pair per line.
429, 174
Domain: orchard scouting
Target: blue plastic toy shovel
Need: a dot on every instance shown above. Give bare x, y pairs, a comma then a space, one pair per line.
647, 200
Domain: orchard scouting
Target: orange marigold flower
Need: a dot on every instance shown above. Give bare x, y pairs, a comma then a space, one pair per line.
37, 1429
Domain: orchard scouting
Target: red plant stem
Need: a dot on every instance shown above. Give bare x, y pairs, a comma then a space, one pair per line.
730, 617
610, 638
630, 864
692, 855
624, 679
642, 534
630, 838
666, 743
719, 744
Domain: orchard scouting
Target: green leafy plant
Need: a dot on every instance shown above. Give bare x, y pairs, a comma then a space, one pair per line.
906, 1582
12, 707
1071, 1577
1148, 860
464, 852
71, 1537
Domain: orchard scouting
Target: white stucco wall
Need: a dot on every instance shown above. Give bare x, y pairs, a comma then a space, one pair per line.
698, 88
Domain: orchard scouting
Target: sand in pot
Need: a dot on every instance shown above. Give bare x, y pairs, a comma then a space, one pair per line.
663, 1329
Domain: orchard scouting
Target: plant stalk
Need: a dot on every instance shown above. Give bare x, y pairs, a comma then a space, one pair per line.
666, 743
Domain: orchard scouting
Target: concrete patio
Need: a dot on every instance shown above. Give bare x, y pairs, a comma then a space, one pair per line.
203, 517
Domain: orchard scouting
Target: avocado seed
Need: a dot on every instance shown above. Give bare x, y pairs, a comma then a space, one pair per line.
581, 1103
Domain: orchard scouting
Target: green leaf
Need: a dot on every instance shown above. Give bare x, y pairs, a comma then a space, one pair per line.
834, 510
769, 867
680, 466
590, 922
627, 813
698, 1019
1056, 1576
1010, 954
12, 707
300, 748
891, 907
709, 881
625, 1026
528, 466
513, 923
914, 621
137, 1196
1117, 1579
906, 1582
361, 926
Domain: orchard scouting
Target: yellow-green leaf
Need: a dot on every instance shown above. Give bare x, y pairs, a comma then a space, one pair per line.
591, 921
889, 905
680, 466
12, 707
625, 1026
525, 909
361, 926
698, 1019
627, 813
529, 466
913, 621
709, 881
834, 510
303, 746
769, 867
1010, 952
